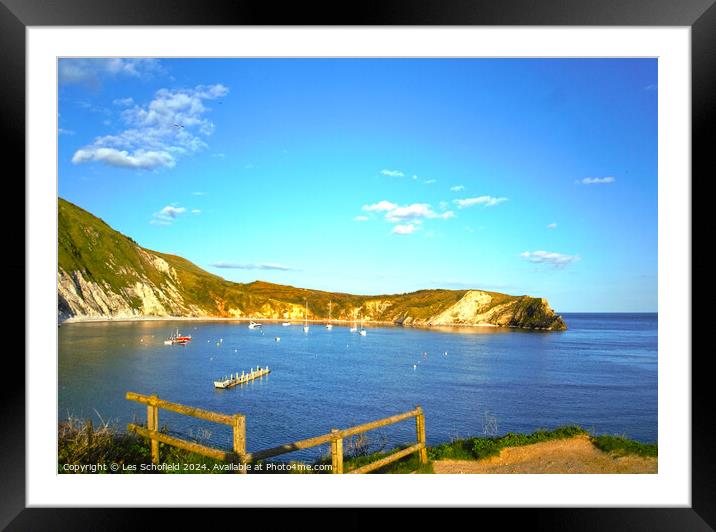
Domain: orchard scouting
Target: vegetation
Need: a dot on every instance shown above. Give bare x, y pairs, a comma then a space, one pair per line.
622, 446
81, 444
479, 448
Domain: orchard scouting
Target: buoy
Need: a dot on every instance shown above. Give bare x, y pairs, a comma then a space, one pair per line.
415, 366
277, 339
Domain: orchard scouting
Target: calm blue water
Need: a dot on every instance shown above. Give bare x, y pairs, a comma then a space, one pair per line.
600, 374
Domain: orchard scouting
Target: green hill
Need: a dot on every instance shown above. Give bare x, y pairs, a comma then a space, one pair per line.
102, 273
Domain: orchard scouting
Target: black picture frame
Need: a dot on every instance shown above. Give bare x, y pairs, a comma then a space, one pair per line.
17, 15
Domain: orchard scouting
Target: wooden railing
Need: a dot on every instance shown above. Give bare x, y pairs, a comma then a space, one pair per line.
238, 423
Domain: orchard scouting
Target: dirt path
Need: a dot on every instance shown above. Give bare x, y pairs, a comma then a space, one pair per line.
573, 455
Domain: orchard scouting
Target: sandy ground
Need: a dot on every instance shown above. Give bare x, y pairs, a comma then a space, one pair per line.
573, 455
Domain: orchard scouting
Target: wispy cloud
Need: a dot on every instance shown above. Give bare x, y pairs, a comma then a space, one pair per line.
90, 71
196, 211
487, 201
167, 215
252, 266
61, 131
414, 212
457, 188
430, 181
170, 126
383, 205
361, 218
405, 229
123, 102
557, 260
597, 180
651, 87
553, 225
198, 193
392, 173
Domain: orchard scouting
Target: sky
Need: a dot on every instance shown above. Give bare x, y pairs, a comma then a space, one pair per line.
377, 176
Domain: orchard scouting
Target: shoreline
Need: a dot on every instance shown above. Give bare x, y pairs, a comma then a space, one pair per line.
104, 319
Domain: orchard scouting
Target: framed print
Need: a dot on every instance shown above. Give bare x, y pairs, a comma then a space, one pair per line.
446, 248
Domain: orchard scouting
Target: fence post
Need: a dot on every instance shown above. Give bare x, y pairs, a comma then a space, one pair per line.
153, 424
240, 441
89, 430
336, 453
420, 432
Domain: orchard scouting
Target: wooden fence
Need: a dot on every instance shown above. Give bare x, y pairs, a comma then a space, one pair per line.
238, 424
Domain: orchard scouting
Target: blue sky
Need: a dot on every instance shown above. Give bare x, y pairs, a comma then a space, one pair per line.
524, 176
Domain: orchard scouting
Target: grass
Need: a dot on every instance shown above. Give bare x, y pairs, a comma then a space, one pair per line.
479, 448
622, 446
81, 444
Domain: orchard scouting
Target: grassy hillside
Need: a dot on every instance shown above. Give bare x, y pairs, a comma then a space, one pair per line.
104, 273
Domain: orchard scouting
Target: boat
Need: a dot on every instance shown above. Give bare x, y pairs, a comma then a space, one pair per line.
329, 325
177, 338
305, 324
286, 324
236, 379
362, 331
254, 325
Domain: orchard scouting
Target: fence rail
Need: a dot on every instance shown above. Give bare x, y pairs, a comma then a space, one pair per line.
238, 424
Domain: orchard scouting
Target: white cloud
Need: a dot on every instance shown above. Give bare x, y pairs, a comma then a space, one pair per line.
406, 229
91, 71
146, 160
392, 173
487, 201
361, 218
251, 266
415, 211
167, 215
553, 225
196, 211
395, 213
430, 181
558, 260
383, 205
170, 126
457, 188
597, 180
198, 193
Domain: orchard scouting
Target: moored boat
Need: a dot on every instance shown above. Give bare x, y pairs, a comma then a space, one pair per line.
177, 338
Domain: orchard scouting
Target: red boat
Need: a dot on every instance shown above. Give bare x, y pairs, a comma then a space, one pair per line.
177, 339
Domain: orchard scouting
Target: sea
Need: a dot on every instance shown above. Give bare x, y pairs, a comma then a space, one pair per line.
600, 374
